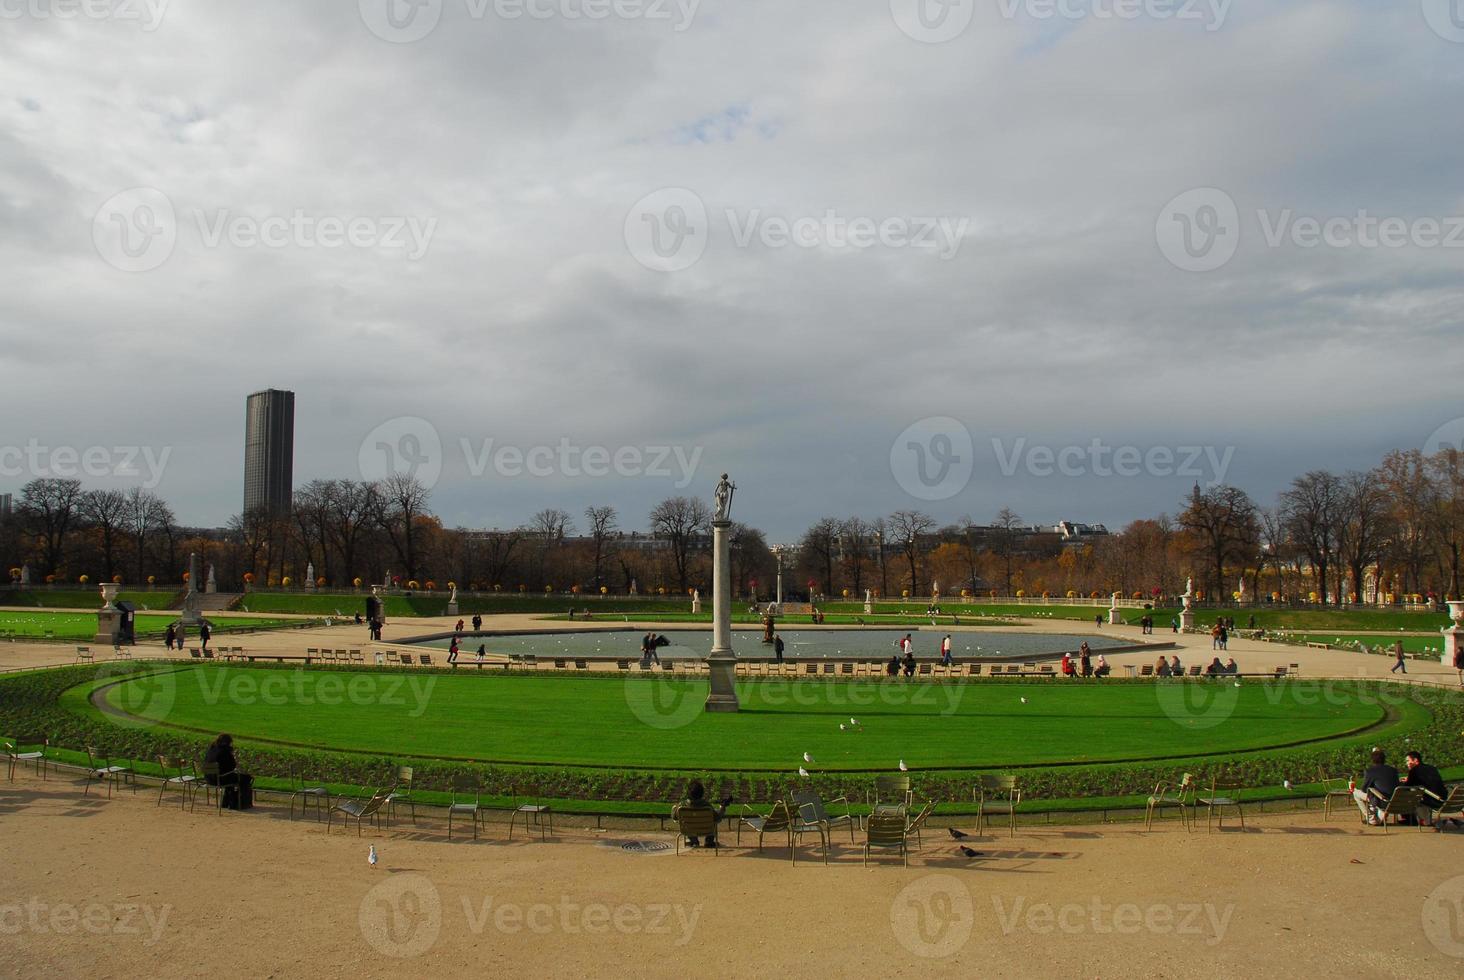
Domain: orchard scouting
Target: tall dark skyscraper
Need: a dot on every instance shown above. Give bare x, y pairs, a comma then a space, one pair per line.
269, 450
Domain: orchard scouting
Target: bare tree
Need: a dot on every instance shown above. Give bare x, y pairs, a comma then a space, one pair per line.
107, 512
602, 524
818, 551
50, 507
857, 535
1223, 524
145, 514
907, 527
1407, 487
680, 520
1446, 471
1313, 508
401, 501
1003, 543
1365, 528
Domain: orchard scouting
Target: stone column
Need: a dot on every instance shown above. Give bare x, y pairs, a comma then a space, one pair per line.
722, 663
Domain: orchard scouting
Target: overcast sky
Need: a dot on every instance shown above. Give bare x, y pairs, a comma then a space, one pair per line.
551, 229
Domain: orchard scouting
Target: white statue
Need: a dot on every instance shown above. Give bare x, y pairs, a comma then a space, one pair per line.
1189, 586
452, 599
310, 575
723, 498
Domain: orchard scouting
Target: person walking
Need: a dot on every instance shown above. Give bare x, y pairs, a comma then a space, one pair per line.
452, 652
1098, 621
477, 622
1459, 662
168, 635
203, 634
1085, 659
945, 650
778, 647
1398, 664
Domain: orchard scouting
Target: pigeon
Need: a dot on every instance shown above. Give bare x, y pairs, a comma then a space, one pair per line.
903, 767
807, 757
969, 853
371, 856
957, 834
802, 771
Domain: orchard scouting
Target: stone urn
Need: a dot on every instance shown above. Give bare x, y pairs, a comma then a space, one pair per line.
110, 590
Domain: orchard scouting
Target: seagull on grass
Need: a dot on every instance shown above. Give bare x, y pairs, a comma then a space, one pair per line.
803, 772
903, 767
807, 757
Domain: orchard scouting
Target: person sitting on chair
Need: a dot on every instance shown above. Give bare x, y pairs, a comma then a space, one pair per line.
1425, 777
910, 664
696, 799
1377, 788
893, 667
238, 787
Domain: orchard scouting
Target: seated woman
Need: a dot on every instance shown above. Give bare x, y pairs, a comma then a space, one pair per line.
1102, 669
1161, 669
696, 799
1067, 665
893, 667
1215, 669
1230, 666
238, 786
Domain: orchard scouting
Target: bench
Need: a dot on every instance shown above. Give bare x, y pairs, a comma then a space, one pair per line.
84, 654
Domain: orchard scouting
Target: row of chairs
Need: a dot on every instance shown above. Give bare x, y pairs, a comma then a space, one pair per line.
119, 652
216, 653
1198, 670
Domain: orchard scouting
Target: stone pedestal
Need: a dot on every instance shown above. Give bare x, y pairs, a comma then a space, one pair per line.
722, 662
1187, 615
109, 618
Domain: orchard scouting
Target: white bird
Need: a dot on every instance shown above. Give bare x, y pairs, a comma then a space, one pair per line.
807, 757
841, 726
371, 856
1237, 683
854, 722
802, 771
1024, 700
903, 767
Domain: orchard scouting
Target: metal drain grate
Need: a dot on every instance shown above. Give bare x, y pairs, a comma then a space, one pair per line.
645, 846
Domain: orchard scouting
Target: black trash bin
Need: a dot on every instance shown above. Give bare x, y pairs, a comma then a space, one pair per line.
127, 627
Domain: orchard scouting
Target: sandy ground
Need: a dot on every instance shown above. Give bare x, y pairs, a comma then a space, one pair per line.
122, 888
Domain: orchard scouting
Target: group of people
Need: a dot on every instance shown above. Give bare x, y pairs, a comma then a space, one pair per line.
1085, 665
175, 634
1220, 635
650, 644
1381, 780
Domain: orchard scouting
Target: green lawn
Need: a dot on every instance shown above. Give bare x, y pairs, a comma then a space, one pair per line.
44, 624
1375, 641
1266, 618
659, 722
160, 598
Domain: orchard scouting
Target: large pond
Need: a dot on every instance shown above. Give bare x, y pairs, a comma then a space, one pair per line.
876, 644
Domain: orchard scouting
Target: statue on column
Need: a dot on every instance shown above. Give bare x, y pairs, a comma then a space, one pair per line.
723, 499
